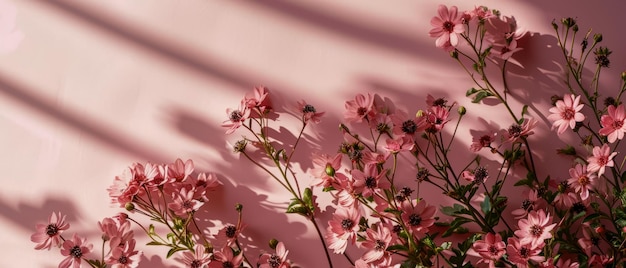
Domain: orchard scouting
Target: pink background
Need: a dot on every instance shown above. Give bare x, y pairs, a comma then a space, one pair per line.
96, 85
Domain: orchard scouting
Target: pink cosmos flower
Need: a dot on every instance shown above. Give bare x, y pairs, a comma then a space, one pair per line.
309, 113
531, 203
184, 202
490, 249
483, 141
581, 180
566, 113
516, 132
198, 258
343, 228
325, 168
228, 234
275, 260
225, 258
376, 243
613, 123
74, 249
368, 181
360, 108
374, 158
602, 158
179, 170
433, 119
418, 216
125, 256
49, 234
535, 229
481, 13
404, 125
394, 146
236, 118
124, 188
447, 27
521, 253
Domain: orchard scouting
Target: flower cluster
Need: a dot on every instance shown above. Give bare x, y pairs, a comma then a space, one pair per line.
574, 221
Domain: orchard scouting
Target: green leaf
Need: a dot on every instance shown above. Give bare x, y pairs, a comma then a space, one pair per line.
155, 243
485, 206
308, 198
299, 210
591, 217
481, 95
397, 247
471, 92
524, 110
173, 250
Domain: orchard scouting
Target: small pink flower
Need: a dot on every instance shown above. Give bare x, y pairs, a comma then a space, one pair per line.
309, 113
360, 108
75, 249
517, 132
377, 242
483, 141
184, 202
448, 26
198, 258
566, 113
418, 216
179, 170
478, 175
404, 125
394, 146
225, 258
368, 181
49, 234
433, 119
236, 118
602, 158
124, 188
481, 13
258, 101
228, 234
535, 229
531, 203
275, 260
125, 256
613, 123
343, 228
325, 168
490, 249
581, 180
521, 253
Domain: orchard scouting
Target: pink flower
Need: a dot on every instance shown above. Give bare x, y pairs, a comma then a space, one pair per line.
433, 119
179, 170
184, 203
481, 13
258, 101
236, 118
403, 125
377, 242
447, 27
484, 141
535, 229
198, 258
343, 228
516, 132
325, 168
360, 108
478, 175
520, 253
613, 123
490, 249
368, 181
309, 113
602, 158
566, 113
394, 146
49, 234
275, 260
418, 216
124, 188
228, 234
74, 249
125, 256
581, 180
225, 258
531, 203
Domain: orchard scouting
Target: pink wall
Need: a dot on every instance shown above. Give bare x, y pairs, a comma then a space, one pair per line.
96, 85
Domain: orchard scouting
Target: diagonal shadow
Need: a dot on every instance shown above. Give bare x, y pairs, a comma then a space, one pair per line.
152, 44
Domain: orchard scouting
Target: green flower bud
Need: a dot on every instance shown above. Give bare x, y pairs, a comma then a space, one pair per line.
238, 207
129, 206
273, 243
597, 38
462, 110
330, 171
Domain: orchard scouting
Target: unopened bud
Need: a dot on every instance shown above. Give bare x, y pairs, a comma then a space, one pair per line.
129, 206
462, 110
624, 76
597, 38
575, 28
273, 243
454, 54
238, 207
330, 171
419, 113
555, 25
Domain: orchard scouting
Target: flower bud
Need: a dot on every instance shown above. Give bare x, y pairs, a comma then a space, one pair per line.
419, 113
238, 207
554, 25
454, 54
330, 171
597, 38
568, 22
240, 146
575, 28
462, 110
624, 76
129, 206
273, 243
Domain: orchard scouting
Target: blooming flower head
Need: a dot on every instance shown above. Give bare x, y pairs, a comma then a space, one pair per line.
325, 167
566, 113
368, 181
258, 101
433, 119
184, 202
535, 229
49, 234
236, 118
74, 249
483, 141
448, 27
521, 253
516, 132
532, 202
308, 112
418, 216
613, 123
275, 260
179, 170
602, 158
125, 256
360, 108
228, 234
378, 239
490, 249
581, 180
196, 259
225, 258
343, 228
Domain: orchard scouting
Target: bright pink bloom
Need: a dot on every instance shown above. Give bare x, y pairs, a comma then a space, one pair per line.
521, 253
75, 249
228, 234
516, 132
535, 229
581, 180
433, 119
275, 260
613, 123
447, 27
360, 108
125, 256
184, 202
198, 258
490, 249
394, 146
343, 228
418, 216
566, 113
602, 158
236, 118
49, 234
225, 258
325, 168
484, 141
308, 112
368, 181
377, 242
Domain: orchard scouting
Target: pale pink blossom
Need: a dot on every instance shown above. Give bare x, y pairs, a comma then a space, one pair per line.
124, 256
394, 146
566, 113
404, 125
448, 26
179, 170
602, 158
228, 234
49, 234
275, 260
368, 181
183, 203
359, 109
343, 228
613, 123
535, 229
418, 216
196, 258
226, 258
258, 99
490, 249
521, 253
433, 119
483, 141
236, 118
581, 180
308, 112
376, 243
481, 13
517, 132
75, 250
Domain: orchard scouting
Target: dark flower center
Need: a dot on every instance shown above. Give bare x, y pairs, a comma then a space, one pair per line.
397, 229
515, 130
347, 224
380, 245
361, 111
493, 249
568, 114
524, 252
370, 182
415, 219
583, 180
230, 231
536, 230
406, 191
480, 174
448, 26
235, 116
409, 127
578, 207
441, 102
228, 264
527, 205
485, 140
422, 174
52, 230
617, 124
308, 109
122, 260
595, 241
187, 204
76, 252
274, 261
195, 264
